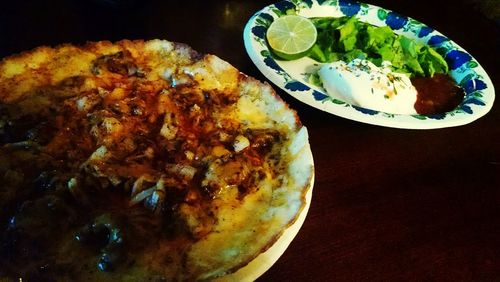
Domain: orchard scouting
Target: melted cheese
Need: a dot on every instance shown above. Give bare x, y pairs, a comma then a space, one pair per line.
226, 149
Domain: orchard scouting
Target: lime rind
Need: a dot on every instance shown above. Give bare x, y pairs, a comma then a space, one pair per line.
291, 36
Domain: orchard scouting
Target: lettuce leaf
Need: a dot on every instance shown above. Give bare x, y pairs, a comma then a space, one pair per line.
378, 37
432, 62
348, 34
411, 51
347, 38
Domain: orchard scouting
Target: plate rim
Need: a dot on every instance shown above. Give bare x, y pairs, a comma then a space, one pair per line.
473, 108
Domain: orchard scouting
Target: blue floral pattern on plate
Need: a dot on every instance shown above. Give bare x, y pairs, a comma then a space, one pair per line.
291, 75
349, 8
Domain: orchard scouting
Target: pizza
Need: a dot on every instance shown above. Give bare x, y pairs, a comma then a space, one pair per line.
142, 160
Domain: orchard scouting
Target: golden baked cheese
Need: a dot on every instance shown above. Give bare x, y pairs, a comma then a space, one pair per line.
142, 160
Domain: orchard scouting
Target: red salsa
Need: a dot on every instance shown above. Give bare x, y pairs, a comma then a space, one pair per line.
437, 94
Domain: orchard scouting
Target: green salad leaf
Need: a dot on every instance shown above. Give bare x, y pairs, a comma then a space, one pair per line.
347, 38
348, 34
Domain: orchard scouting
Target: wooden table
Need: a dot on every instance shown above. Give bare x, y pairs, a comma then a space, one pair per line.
388, 204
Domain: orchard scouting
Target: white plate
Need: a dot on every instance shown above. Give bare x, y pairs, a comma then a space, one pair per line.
291, 75
264, 261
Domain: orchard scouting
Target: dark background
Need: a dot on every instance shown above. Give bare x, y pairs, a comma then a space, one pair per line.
388, 204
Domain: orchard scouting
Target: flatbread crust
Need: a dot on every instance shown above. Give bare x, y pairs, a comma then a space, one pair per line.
225, 172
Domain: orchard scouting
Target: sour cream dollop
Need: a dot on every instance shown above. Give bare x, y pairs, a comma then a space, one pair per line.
362, 83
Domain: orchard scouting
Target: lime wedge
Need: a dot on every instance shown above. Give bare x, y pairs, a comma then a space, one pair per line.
291, 36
